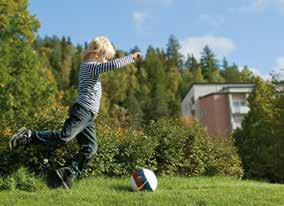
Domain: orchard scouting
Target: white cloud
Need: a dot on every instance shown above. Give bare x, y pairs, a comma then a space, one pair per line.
280, 63
138, 18
149, 7
221, 46
257, 72
280, 67
212, 20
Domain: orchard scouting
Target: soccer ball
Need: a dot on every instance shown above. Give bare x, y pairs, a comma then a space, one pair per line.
143, 180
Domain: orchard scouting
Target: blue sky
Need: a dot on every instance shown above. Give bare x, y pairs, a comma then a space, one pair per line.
247, 32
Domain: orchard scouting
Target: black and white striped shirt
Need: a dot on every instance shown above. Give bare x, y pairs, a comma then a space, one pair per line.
90, 89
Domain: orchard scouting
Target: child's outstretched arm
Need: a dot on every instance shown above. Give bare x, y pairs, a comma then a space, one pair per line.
97, 68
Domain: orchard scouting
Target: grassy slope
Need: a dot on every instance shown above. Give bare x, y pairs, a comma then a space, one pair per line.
171, 191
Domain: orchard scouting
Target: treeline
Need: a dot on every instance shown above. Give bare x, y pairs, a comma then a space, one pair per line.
39, 77
148, 90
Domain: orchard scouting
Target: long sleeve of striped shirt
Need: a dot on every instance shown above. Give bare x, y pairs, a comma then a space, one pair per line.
97, 68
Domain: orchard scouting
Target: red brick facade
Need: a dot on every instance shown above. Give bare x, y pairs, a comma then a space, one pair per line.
216, 114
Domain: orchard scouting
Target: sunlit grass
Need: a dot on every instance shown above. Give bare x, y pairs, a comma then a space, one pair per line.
171, 191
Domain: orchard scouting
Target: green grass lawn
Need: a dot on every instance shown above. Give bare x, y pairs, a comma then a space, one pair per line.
171, 191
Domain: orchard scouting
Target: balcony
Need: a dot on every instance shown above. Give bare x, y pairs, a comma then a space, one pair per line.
240, 110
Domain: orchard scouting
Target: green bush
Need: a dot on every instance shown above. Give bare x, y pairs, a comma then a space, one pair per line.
21, 180
190, 151
37, 158
120, 151
178, 150
164, 146
223, 158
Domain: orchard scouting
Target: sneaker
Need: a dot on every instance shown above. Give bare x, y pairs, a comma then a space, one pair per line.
66, 176
22, 138
52, 180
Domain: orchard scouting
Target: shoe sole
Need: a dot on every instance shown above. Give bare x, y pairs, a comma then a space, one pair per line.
63, 182
52, 180
15, 136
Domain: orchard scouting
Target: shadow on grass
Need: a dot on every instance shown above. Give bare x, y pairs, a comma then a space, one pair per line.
122, 188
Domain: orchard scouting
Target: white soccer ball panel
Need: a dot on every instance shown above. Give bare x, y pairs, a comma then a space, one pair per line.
151, 178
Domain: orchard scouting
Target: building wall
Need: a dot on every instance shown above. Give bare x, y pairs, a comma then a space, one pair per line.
215, 114
238, 107
215, 105
190, 101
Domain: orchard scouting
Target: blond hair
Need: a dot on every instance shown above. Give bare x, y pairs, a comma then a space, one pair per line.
99, 47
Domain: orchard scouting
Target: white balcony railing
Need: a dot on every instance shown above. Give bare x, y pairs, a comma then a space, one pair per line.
240, 110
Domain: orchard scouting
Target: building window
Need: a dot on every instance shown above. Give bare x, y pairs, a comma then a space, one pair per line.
192, 100
237, 119
203, 114
237, 106
188, 107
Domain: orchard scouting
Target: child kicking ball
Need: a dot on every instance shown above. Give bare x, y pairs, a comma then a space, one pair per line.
81, 115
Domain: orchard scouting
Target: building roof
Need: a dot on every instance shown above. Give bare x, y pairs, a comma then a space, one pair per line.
219, 83
216, 83
211, 94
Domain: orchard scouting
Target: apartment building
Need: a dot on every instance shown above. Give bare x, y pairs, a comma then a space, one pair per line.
220, 107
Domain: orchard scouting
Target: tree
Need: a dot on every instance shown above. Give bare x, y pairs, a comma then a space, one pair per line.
191, 74
191, 62
157, 104
67, 52
25, 88
231, 74
260, 140
131, 102
197, 76
186, 81
173, 55
216, 76
246, 75
279, 137
77, 58
143, 93
209, 66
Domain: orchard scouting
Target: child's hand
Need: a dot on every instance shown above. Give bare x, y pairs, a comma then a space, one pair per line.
137, 56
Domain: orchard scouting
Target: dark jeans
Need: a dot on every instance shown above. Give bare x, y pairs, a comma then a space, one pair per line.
79, 124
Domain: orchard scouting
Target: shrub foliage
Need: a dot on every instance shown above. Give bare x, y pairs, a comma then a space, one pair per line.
165, 146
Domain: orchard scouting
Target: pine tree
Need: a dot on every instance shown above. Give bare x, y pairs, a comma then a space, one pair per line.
143, 93
197, 76
209, 66
195, 68
232, 74
186, 81
67, 51
157, 106
77, 58
246, 75
173, 55
191, 74
131, 102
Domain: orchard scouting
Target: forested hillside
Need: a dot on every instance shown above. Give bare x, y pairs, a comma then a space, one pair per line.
148, 90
